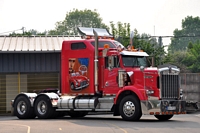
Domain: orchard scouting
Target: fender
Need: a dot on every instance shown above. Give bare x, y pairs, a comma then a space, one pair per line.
30, 96
139, 92
52, 96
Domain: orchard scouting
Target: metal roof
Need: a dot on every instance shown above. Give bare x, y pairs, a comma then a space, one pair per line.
33, 43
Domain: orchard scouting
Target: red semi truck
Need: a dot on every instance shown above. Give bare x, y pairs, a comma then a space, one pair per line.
95, 77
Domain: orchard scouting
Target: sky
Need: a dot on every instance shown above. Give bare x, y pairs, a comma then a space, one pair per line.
154, 17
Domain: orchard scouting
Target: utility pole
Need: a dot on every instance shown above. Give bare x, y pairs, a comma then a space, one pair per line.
22, 30
160, 41
160, 45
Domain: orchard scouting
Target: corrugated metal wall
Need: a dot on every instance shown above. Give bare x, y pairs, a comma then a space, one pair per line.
29, 62
190, 83
26, 72
12, 84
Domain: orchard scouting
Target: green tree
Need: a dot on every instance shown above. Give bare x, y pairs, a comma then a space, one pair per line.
28, 33
189, 33
78, 18
177, 59
121, 32
192, 59
150, 45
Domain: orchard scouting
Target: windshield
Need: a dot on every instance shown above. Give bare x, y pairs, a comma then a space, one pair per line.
134, 61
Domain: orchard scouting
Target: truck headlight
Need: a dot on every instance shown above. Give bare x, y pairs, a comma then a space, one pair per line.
149, 92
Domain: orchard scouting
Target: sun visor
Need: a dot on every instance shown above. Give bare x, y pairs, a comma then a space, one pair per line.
124, 52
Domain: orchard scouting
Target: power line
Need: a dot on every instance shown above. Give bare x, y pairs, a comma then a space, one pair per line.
175, 36
148, 37
13, 30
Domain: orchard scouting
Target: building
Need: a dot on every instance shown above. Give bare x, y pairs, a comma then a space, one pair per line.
28, 64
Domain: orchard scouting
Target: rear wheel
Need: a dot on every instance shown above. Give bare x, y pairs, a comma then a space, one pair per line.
43, 108
163, 117
23, 109
130, 109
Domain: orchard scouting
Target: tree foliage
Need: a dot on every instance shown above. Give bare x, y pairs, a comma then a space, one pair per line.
192, 59
29, 33
150, 45
176, 59
121, 32
78, 18
188, 60
189, 33
184, 48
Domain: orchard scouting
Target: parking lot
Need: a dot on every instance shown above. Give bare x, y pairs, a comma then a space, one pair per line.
101, 123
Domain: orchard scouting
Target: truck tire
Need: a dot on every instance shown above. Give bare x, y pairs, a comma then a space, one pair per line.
163, 117
43, 108
75, 114
130, 109
23, 109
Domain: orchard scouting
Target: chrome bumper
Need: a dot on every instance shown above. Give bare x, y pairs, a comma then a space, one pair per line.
163, 107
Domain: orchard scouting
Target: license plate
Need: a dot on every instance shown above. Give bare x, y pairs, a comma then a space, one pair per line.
171, 108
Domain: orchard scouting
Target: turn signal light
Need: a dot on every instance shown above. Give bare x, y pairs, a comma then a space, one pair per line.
151, 113
106, 46
157, 113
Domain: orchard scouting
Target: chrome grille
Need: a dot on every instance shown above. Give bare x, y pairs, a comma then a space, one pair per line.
170, 86
169, 83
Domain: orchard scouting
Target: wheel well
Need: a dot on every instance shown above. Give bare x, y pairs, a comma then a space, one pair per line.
120, 97
23, 95
125, 93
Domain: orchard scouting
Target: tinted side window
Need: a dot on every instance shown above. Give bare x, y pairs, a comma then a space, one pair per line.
112, 61
79, 45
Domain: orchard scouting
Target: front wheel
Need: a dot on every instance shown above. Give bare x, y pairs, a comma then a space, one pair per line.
23, 109
130, 109
163, 117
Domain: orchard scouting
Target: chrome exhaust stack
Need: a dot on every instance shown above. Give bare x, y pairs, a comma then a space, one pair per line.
96, 62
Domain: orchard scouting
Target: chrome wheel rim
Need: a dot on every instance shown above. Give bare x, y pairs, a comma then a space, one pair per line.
21, 107
42, 107
129, 108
